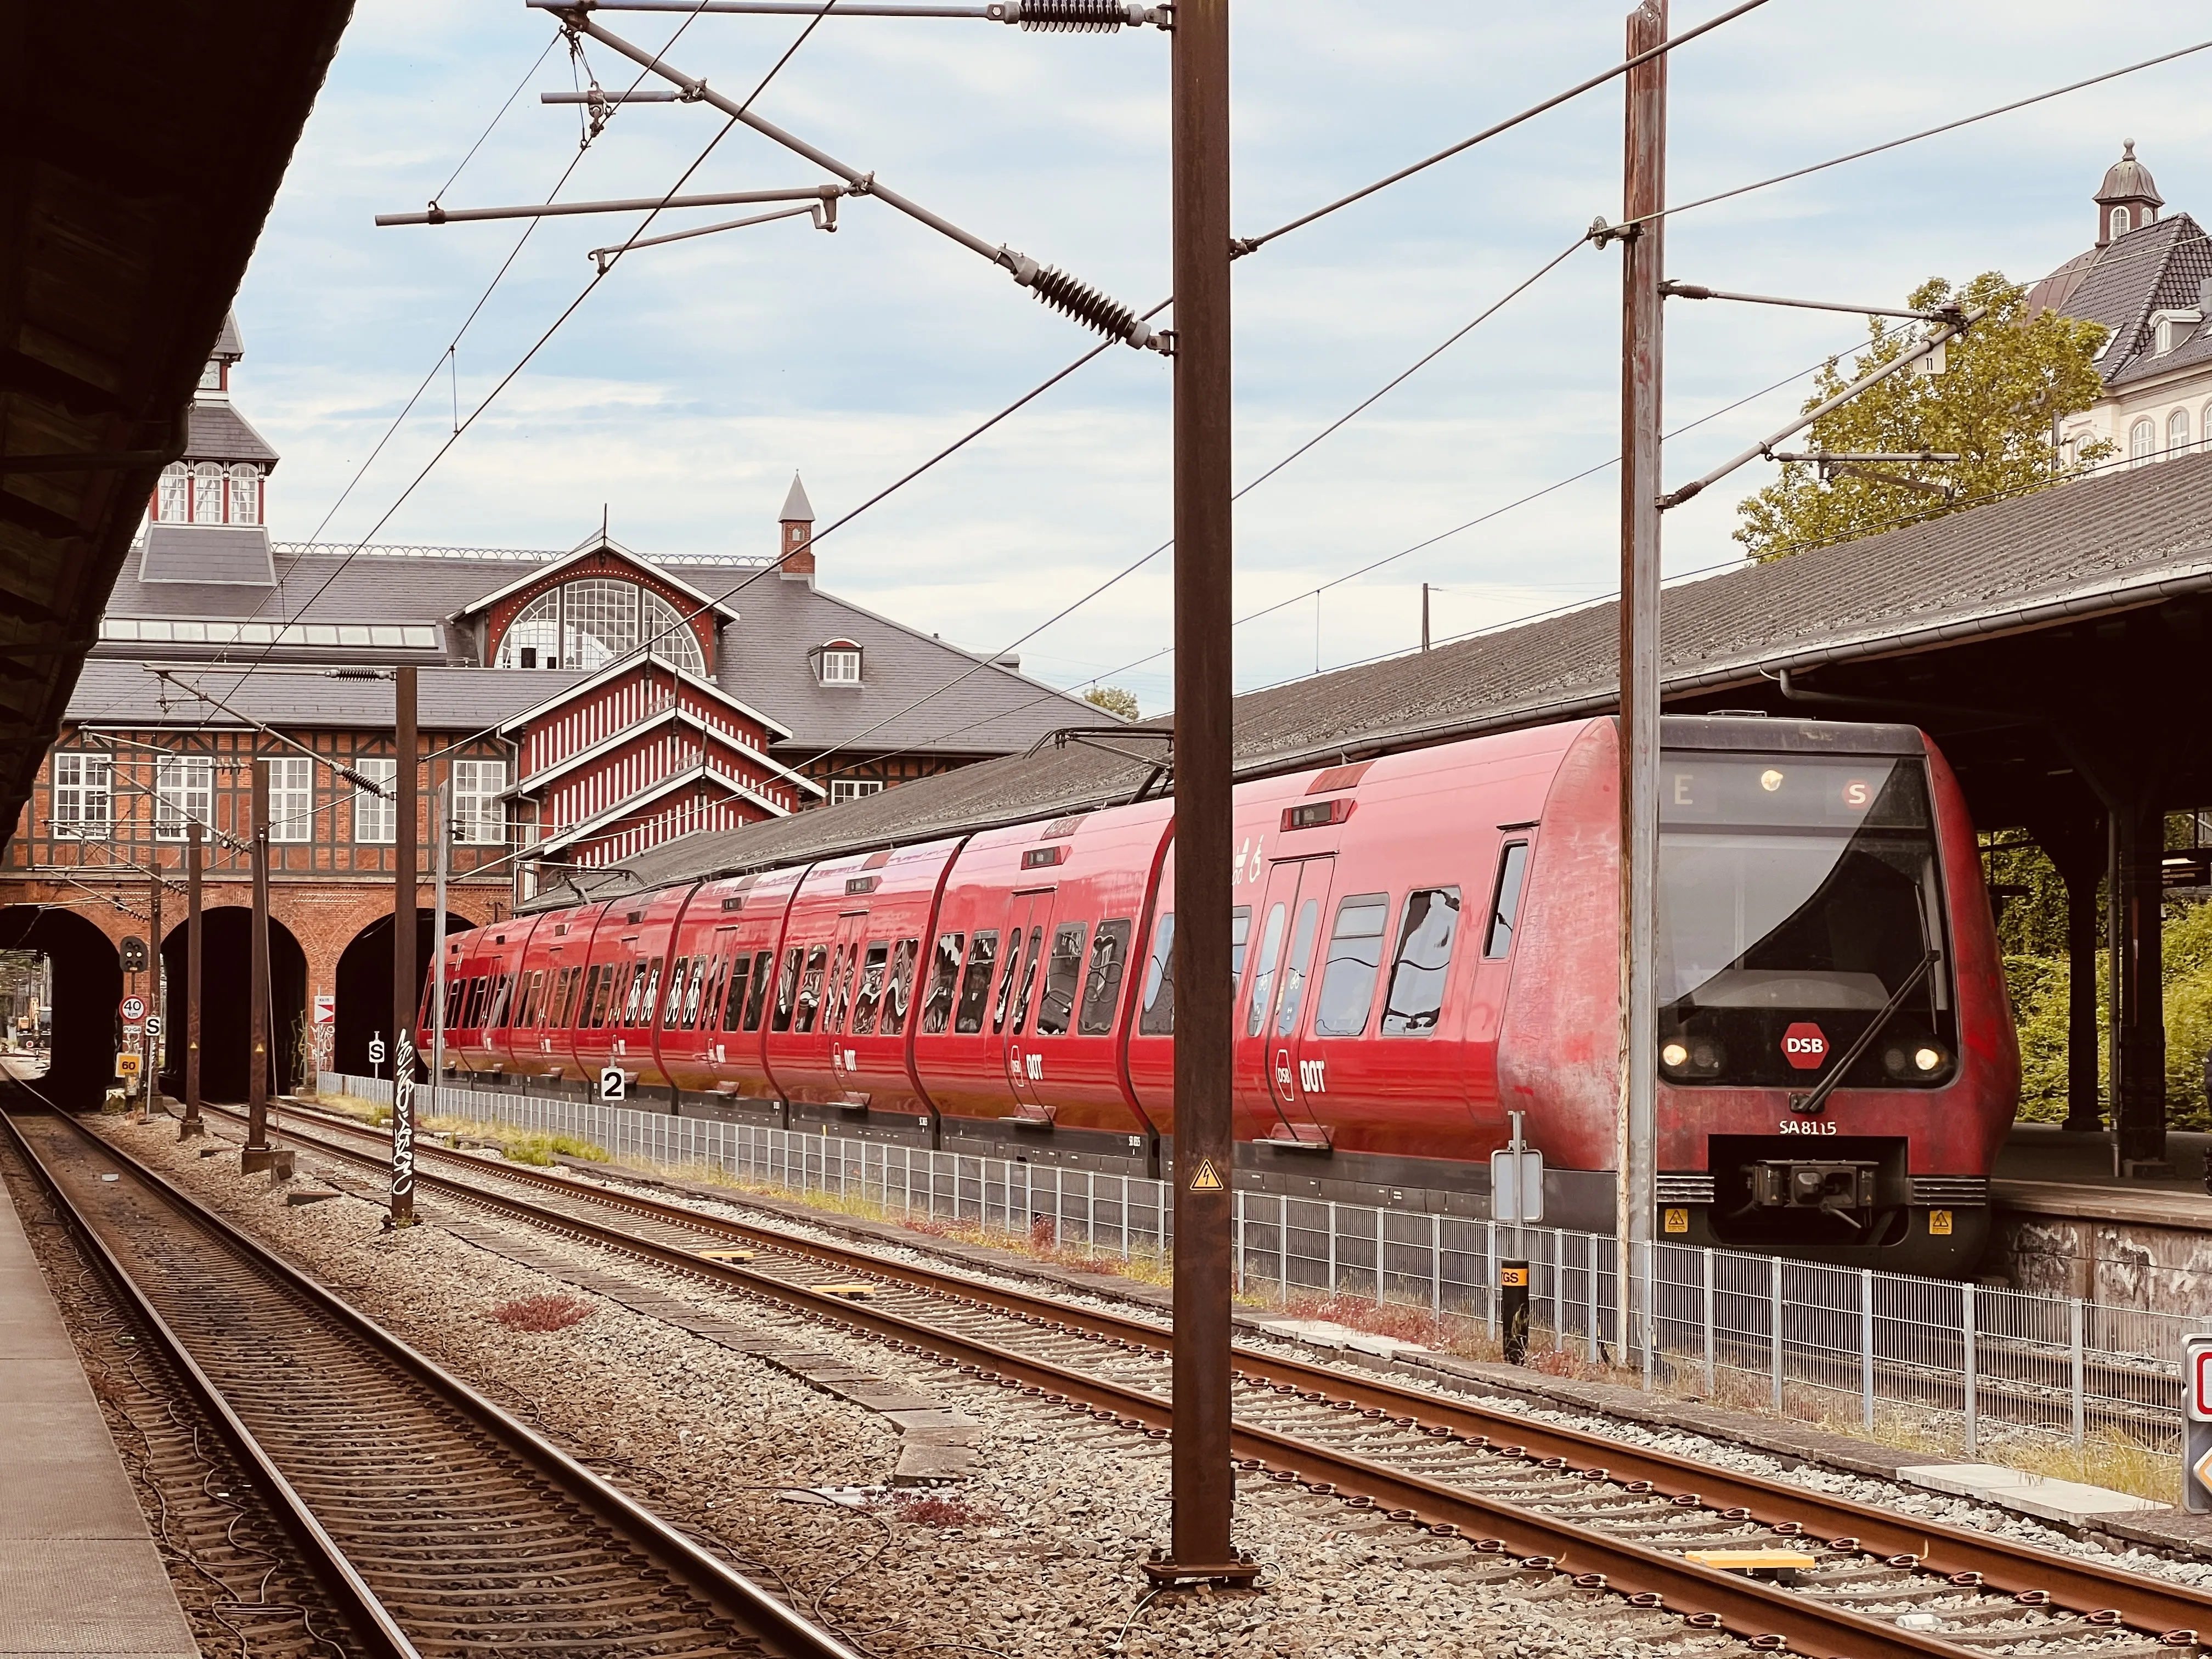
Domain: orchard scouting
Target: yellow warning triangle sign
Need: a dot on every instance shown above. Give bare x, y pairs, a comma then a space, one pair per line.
1206, 1181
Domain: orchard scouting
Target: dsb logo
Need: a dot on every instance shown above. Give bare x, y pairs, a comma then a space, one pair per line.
1804, 1045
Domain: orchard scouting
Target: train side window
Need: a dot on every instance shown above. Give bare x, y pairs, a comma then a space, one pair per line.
976, 982
564, 1010
477, 988
705, 996
648, 993
1155, 1015
587, 1006
1101, 985
1240, 930
943, 976
1355, 962
787, 989
496, 1015
1263, 977
1423, 958
810, 988
1506, 903
1063, 978
1296, 967
679, 975
756, 999
518, 1004
534, 1005
869, 996
1021, 1006
899, 988
835, 988
741, 974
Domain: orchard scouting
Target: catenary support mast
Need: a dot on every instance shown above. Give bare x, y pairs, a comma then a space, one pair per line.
1204, 1485
1645, 191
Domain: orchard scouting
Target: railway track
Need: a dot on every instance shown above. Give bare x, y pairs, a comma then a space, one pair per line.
436, 1524
1611, 1517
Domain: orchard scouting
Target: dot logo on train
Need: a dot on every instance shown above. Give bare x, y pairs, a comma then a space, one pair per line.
1434, 931
1804, 1047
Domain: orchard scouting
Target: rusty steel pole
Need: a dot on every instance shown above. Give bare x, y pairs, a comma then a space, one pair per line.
404, 849
1204, 1482
256, 1154
192, 1125
1645, 193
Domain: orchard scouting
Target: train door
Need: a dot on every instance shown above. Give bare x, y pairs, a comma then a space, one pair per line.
837, 994
1274, 1019
1029, 929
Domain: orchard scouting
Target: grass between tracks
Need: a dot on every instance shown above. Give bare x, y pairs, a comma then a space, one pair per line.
2109, 1457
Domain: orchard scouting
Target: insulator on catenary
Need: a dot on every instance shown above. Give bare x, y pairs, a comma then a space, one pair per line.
1086, 304
1072, 16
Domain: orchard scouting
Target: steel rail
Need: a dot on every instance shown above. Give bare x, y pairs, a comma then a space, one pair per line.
1743, 1606
364, 1614
730, 1593
2150, 1605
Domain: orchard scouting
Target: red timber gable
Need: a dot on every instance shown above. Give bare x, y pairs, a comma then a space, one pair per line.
641, 753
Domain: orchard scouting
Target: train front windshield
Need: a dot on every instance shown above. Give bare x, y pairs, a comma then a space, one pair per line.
1797, 896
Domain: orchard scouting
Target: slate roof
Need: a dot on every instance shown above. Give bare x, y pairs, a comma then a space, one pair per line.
217, 556
763, 659
217, 432
2104, 544
110, 692
229, 342
2162, 266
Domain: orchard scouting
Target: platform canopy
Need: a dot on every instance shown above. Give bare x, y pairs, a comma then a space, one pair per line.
144, 151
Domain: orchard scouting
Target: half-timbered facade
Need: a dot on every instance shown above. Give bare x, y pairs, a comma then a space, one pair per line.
575, 708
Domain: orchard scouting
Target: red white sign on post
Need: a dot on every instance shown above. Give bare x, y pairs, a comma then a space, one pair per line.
2200, 1379
134, 1010
327, 1009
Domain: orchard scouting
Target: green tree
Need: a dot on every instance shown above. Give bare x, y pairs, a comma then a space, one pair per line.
1115, 700
2006, 380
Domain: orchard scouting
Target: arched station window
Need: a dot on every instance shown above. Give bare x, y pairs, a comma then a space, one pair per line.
589, 623
245, 495
2142, 442
173, 501
207, 493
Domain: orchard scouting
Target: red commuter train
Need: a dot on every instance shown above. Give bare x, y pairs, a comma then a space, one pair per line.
1425, 942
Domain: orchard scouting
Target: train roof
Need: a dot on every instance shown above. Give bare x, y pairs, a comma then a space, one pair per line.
2127, 539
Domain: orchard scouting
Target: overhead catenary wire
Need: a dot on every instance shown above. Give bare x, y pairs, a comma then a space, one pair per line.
1246, 245
1915, 137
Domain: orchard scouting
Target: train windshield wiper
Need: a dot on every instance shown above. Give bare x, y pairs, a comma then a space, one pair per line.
1810, 1103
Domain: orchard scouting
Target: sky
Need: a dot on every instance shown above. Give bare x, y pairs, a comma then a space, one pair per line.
680, 396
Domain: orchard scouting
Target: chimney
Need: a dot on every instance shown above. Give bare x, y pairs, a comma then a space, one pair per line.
794, 544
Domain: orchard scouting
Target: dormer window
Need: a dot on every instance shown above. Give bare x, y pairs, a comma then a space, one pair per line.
838, 663
172, 499
2174, 329
245, 495
2120, 222
207, 493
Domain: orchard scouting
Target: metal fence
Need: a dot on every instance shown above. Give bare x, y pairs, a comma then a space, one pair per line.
1931, 1360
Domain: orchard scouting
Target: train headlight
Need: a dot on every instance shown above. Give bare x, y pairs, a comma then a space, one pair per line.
1770, 780
1928, 1057
1673, 1054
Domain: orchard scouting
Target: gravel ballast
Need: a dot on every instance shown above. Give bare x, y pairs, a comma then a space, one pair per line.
1035, 1554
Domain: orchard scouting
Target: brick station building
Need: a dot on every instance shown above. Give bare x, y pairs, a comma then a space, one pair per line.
576, 708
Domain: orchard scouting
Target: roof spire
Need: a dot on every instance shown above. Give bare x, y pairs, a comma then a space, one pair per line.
794, 536
797, 509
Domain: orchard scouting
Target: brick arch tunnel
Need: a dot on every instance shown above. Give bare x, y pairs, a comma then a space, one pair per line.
226, 972
87, 986
364, 990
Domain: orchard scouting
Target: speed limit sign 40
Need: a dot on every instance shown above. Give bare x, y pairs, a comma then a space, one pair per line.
134, 1010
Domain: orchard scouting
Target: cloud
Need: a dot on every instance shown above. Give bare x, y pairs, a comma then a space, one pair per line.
686, 389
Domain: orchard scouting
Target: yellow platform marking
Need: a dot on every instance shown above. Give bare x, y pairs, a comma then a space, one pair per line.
1206, 1181
846, 1290
1753, 1560
725, 1253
